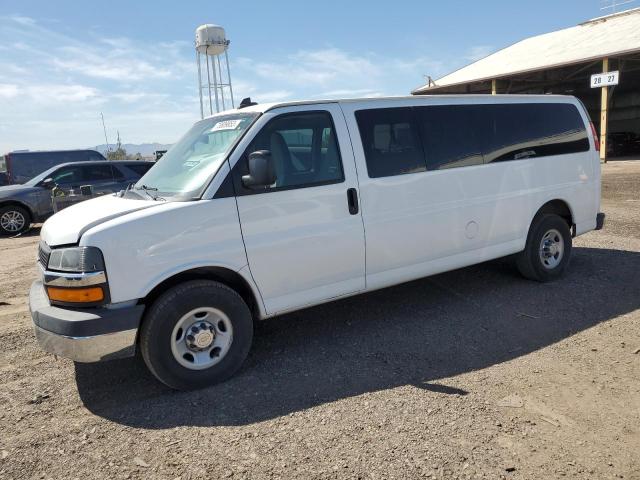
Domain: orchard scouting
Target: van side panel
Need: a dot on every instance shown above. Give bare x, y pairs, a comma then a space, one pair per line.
177, 237
423, 223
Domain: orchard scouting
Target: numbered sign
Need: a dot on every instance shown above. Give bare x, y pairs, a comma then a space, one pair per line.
605, 79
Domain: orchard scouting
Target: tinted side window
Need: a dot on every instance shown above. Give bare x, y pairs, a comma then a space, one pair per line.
303, 147
517, 131
450, 136
67, 175
97, 173
390, 141
117, 172
139, 169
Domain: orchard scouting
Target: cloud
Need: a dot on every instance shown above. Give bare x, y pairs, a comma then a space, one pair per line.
22, 20
112, 66
334, 73
8, 90
49, 93
312, 67
478, 52
52, 97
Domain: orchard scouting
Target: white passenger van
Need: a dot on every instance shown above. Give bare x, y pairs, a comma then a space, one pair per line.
272, 208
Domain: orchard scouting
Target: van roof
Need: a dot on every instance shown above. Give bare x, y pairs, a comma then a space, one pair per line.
416, 99
42, 152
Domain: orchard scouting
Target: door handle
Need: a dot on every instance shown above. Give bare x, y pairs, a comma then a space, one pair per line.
352, 199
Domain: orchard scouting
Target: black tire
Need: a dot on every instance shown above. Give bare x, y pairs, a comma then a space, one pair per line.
529, 261
156, 333
16, 212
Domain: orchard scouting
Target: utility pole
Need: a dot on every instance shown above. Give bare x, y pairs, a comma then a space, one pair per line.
105, 132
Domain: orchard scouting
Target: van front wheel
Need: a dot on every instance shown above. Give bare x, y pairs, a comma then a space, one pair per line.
547, 250
196, 334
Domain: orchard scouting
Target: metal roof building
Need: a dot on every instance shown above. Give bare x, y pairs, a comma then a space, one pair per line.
563, 62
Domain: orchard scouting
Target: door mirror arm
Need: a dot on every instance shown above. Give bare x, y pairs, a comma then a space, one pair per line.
261, 171
48, 183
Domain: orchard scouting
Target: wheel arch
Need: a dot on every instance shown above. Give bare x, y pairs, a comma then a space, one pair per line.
559, 207
232, 279
17, 203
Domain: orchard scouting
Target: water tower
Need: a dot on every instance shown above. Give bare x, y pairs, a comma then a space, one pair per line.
211, 45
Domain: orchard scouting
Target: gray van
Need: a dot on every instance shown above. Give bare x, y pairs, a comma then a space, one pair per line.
20, 167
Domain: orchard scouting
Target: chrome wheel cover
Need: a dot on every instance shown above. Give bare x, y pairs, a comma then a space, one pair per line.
551, 249
201, 338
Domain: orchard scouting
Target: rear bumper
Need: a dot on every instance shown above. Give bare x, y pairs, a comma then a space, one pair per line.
600, 221
84, 335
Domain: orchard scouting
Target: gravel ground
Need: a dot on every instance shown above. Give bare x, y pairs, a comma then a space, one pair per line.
475, 373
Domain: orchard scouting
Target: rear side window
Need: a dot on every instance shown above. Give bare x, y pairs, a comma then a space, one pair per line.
140, 168
519, 131
450, 136
390, 141
117, 173
98, 172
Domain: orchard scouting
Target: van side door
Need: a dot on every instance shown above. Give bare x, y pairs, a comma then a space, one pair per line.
303, 235
421, 211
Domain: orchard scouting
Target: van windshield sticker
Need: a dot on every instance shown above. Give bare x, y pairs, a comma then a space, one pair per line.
226, 125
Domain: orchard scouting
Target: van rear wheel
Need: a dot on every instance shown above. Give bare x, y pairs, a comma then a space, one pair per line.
547, 250
196, 334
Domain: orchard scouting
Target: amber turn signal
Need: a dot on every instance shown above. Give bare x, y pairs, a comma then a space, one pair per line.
76, 295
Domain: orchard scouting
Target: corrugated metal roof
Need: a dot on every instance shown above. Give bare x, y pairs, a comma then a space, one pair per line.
611, 35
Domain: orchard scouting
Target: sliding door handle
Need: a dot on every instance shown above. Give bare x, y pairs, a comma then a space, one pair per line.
352, 199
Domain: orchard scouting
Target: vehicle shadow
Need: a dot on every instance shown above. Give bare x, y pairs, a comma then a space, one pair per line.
412, 334
33, 231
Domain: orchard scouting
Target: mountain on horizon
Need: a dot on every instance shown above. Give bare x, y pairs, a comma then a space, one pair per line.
144, 149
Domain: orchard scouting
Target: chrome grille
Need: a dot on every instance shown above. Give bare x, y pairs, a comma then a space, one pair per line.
43, 254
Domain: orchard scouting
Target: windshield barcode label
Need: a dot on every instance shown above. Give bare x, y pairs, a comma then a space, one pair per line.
226, 125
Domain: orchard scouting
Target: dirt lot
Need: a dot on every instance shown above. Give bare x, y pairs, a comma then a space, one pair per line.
475, 373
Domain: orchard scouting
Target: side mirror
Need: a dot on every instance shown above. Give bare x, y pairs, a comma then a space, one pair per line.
261, 171
48, 183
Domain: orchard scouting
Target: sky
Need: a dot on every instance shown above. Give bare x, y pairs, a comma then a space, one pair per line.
64, 62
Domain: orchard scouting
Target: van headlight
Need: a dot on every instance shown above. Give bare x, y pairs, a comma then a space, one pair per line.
76, 276
76, 259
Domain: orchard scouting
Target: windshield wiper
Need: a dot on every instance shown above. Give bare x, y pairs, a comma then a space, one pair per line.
149, 189
123, 193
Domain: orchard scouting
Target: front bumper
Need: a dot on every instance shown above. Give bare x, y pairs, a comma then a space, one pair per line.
84, 335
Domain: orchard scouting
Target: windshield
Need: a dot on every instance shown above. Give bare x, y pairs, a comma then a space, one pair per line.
188, 166
38, 178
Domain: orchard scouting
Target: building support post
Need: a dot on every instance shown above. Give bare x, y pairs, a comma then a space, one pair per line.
494, 87
604, 114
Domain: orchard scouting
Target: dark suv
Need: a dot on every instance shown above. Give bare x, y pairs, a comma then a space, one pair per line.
31, 202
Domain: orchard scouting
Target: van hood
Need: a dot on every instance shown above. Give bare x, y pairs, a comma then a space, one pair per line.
67, 226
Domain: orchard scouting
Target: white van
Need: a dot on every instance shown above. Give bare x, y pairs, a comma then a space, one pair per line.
273, 208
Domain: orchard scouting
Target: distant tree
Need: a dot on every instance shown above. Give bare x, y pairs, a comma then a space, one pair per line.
117, 154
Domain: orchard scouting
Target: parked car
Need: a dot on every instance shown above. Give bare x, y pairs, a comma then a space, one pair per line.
20, 167
21, 205
274, 208
620, 144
